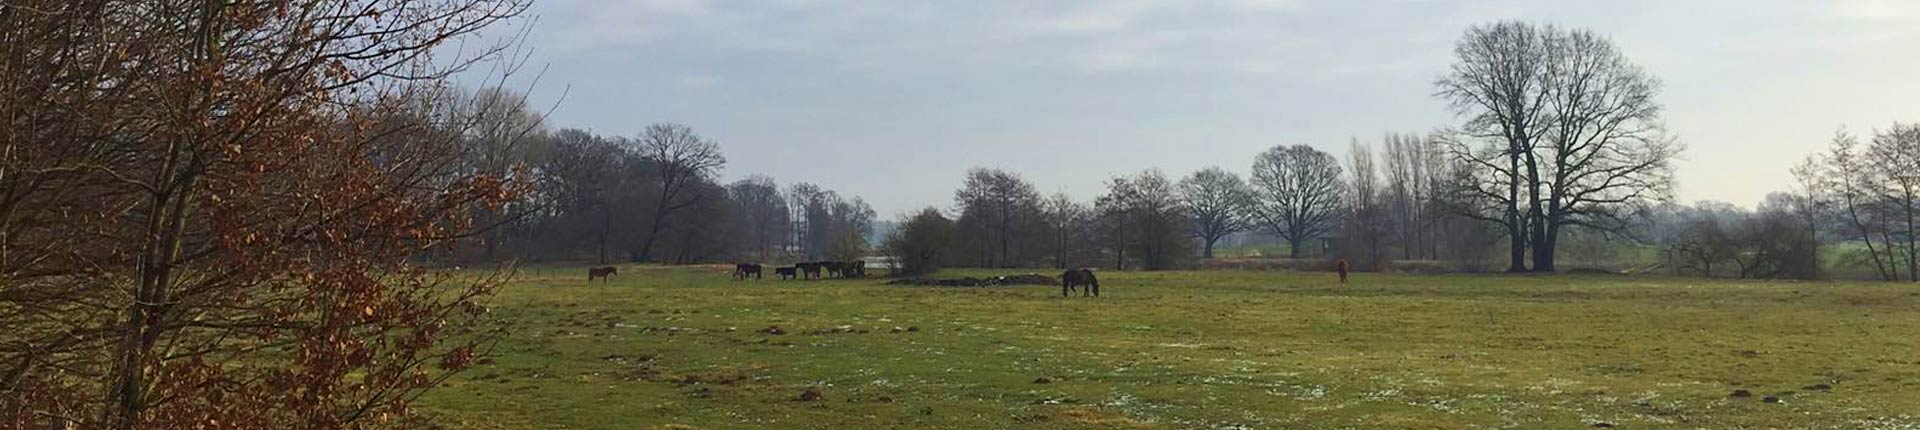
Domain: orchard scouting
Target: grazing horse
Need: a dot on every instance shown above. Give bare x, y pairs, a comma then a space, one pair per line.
784, 272
743, 270
835, 269
601, 272
1341, 266
809, 270
1072, 277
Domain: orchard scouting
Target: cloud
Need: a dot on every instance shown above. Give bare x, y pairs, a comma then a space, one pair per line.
1138, 83
1875, 10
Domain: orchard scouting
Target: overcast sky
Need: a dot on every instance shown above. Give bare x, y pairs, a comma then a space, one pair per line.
893, 100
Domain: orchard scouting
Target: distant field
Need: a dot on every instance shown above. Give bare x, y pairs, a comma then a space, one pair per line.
683, 348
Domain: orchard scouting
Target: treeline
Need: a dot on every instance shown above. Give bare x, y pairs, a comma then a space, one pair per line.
1870, 196
651, 197
1363, 210
1559, 134
1851, 212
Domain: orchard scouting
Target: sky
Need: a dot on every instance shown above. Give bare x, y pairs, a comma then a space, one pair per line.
893, 101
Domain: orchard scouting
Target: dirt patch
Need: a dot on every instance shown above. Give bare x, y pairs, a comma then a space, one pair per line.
969, 281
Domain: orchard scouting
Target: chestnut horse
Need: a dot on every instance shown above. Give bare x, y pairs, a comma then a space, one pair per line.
1073, 277
1341, 266
601, 272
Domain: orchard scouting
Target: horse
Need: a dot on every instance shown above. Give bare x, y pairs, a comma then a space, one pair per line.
809, 270
784, 272
1073, 277
743, 270
855, 268
601, 272
835, 269
1341, 266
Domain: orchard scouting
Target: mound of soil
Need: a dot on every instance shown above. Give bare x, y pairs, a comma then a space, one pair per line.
1591, 271
969, 281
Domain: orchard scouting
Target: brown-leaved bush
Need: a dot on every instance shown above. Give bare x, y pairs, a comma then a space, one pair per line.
212, 213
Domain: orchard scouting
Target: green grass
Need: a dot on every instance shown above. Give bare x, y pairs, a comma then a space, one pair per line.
682, 348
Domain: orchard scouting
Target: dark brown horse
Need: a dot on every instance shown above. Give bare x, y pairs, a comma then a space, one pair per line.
784, 272
809, 270
604, 273
1073, 277
743, 270
835, 269
1341, 266
855, 269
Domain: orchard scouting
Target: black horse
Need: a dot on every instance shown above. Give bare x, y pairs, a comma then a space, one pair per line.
743, 270
809, 270
784, 272
1073, 277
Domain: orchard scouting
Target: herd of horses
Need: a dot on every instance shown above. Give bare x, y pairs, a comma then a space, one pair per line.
854, 269
806, 270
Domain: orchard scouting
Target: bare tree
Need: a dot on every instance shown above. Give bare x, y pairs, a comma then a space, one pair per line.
808, 203
1608, 152
1144, 219
1761, 244
1296, 191
1496, 84
1893, 166
583, 173
920, 243
1001, 203
1065, 226
1411, 179
1809, 204
1706, 238
681, 159
1366, 219
1570, 120
1849, 180
1219, 202
822, 216
763, 211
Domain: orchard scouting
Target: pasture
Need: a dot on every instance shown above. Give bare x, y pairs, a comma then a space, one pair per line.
687, 348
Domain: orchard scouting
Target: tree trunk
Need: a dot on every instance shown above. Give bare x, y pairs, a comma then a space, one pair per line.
1853, 216
1516, 230
606, 232
1544, 247
1005, 245
1293, 247
646, 246
1536, 219
1516, 243
1913, 269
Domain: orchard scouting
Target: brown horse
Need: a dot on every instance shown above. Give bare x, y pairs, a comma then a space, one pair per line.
743, 270
1073, 277
601, 272
1341, 266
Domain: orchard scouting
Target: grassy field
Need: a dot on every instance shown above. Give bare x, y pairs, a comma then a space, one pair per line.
685, 348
